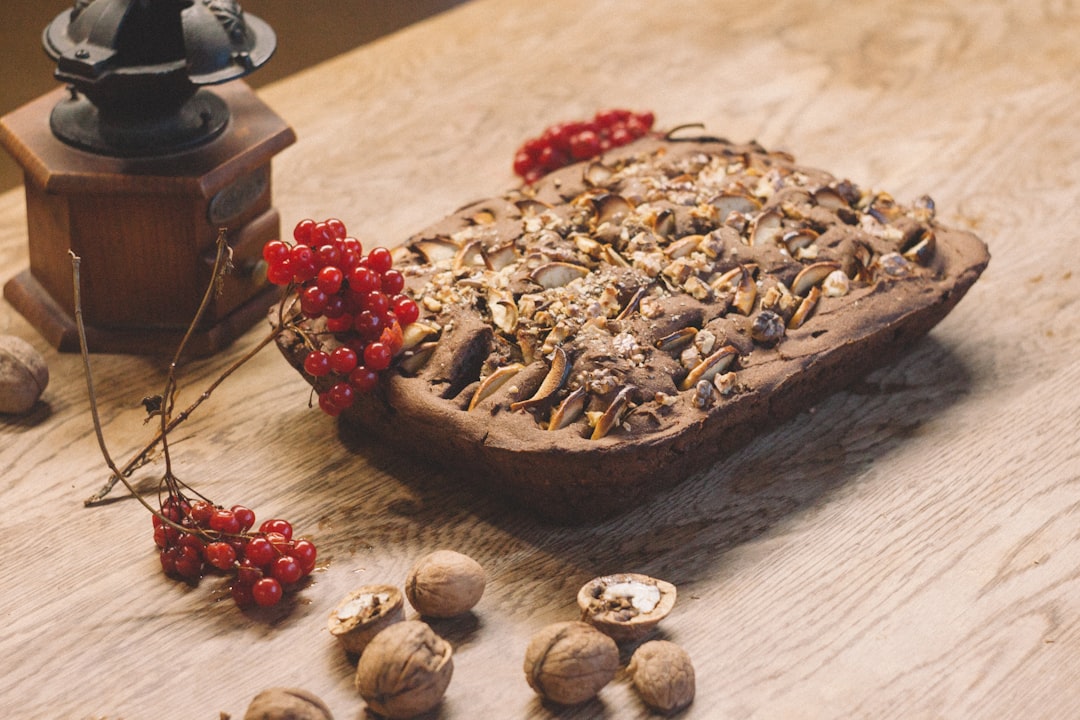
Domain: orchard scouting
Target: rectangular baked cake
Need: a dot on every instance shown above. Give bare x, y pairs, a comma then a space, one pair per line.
622, 323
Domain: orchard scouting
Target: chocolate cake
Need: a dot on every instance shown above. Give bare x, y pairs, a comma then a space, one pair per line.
622, 323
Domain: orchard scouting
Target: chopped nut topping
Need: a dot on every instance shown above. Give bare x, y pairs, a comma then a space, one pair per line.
643, 276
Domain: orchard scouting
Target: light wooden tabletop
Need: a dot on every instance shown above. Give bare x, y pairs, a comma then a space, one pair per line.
909, 549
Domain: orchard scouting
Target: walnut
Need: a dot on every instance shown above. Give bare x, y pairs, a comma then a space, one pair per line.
363, 613
281, 703
626, 606
23, 375
404, 670
570, 662
444, 584
663, 675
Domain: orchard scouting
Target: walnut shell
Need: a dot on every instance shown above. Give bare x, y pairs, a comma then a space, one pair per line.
444, 584
570, 662
363, 613
23, 375
663, 676
281, 703
626, 606
404, 670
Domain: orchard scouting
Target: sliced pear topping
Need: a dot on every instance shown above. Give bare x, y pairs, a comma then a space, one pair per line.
552, 383
434, 250
614, 414
569, 410
719, 361
677, 340
812, 276
558, 274
493, 382
805, 308
767, 228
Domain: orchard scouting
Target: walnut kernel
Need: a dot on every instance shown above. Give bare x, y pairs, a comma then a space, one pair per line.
570, 662
281, 703
404, 670
663, 676
444, 584
626, 606
363, 613
23, 375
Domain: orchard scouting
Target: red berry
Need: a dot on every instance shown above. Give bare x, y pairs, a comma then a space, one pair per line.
406, 309
266, 592
168, 560
363, 279
341, 323
550, 159
247, 573
245, 516
317, 363
165, 536
329, 279
585, 144
220, 555
393, 282
612, 117
191, 540
335, 306
326, 404
302, 260
275, 251
349, 259
189, 563
337, 228
533, 147
341, 395
302, 231
174, 509
558, 138
259, 552
304, 552
523, 163
328, 254
224, 521
377, 356
277, 525
380, 260
320, 235
377, 302
343, 360
201, 512
242, 595
636, 127
368, 325
351, 244
287, 570
620, 136
280, 273
282, 545
313, 301
363, 380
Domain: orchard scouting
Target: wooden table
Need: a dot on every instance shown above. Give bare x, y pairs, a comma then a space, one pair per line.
909, 549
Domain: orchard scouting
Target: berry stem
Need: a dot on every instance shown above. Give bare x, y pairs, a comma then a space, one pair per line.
76, 262
168, 421
222, 261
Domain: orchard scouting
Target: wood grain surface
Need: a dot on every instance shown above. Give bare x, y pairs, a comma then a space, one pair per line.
908, 549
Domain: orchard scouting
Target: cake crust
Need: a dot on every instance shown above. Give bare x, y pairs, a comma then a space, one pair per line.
623, 323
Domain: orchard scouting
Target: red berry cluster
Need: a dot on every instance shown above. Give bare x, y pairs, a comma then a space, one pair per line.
201, 537
570, 142
361, 297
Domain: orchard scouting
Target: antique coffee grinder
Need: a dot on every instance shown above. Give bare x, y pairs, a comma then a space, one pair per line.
136, 164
